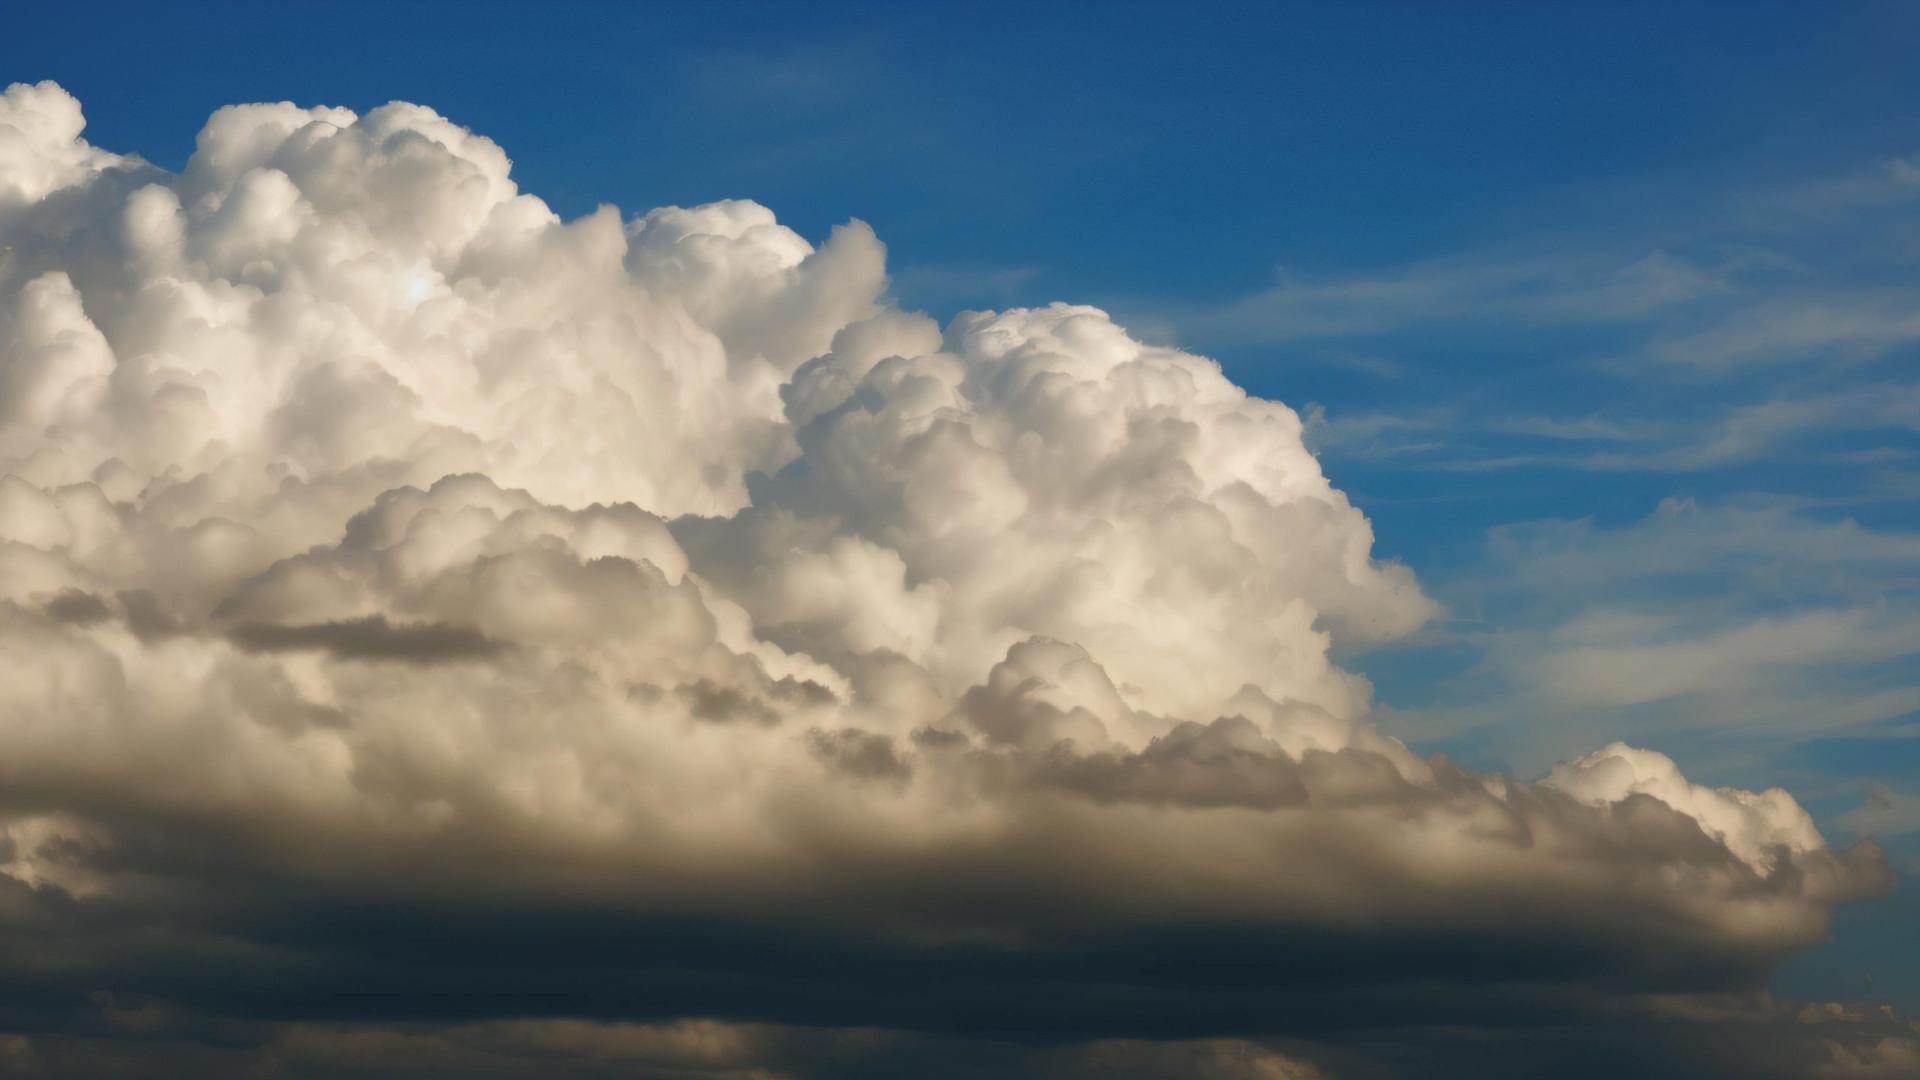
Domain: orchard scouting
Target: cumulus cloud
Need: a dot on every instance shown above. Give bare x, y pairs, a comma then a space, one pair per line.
417, 606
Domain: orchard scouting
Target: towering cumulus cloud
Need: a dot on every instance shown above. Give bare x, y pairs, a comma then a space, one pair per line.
440, 638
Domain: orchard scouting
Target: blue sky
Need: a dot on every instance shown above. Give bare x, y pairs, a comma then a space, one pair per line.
1608, 318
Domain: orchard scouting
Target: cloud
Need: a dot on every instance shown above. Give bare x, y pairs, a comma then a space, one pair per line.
438, 629
372, 637
1827, 1039
1524, 288
1375, 434
1851, 329
1884, 813
1735, 435
1649, 665
1584, 429
1745, 285
1761, 326
1756, 622
41, 150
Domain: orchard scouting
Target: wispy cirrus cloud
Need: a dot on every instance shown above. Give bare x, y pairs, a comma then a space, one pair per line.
1517, 289
1763, 330
1736, 435
1756, 620
1885, 812
1796, 329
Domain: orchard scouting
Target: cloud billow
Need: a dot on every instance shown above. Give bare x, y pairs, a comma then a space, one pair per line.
446, 639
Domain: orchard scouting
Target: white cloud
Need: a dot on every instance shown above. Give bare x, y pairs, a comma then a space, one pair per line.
41, 150
370, 524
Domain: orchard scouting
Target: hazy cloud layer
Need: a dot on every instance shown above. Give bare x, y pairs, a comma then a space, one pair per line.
440, 637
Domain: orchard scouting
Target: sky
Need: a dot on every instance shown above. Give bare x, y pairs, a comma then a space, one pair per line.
1606, 321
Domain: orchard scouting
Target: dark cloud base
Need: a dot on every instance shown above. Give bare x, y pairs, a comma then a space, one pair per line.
274, 980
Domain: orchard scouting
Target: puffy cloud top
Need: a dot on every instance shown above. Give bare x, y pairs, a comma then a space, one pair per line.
41, 150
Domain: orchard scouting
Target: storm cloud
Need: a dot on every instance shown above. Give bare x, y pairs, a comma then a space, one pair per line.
440, 638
